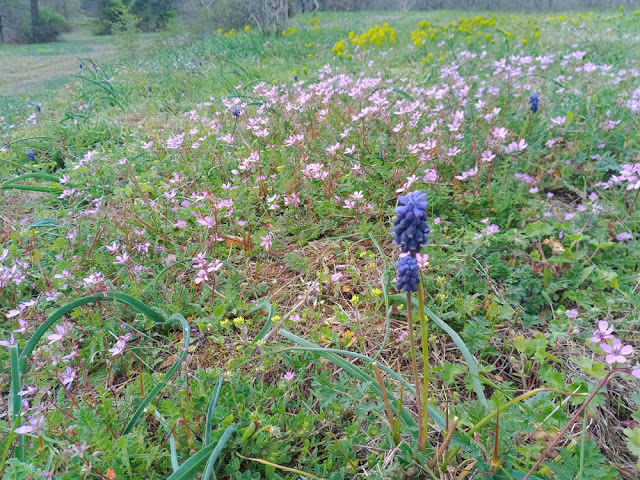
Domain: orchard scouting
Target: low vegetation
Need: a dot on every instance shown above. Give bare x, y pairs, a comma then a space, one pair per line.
393, 245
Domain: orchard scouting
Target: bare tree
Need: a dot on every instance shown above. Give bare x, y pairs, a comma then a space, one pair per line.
271, 16
406, 4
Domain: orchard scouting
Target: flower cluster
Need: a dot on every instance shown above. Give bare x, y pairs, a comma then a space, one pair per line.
410, 225
615, 351
408, 274
533, 102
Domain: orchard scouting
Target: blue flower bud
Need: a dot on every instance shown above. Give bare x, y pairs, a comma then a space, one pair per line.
410, 227
408, 274
31, 155
533, 101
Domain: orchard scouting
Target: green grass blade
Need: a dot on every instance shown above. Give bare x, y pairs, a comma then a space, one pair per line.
30, 188
471, 362
15, 402
212, 406
208, 470
176, 318
268, 323
175, 465
188, 469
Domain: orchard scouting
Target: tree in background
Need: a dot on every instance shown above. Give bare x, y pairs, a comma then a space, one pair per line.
115, 16
30, 21
154, 15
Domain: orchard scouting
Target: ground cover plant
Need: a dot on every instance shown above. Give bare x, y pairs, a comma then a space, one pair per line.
385, 245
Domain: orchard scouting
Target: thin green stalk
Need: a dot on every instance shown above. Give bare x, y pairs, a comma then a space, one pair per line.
425, 361
583, 443
414, 366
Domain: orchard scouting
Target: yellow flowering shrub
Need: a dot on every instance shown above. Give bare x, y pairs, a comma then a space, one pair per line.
377, 36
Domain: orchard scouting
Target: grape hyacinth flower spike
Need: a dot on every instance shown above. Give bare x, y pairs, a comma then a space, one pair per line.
408, 274
533, 101
410, 227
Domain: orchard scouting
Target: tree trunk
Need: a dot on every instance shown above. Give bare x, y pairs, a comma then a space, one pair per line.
35, 13
35, 18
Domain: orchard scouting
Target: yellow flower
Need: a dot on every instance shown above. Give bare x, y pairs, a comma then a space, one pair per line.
247, 28
238, 321
225, 323
276, 318
355, 299
376, 292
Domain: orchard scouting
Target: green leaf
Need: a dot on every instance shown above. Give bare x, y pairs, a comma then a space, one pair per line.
595, 369
538, 229
585, 274
633, 442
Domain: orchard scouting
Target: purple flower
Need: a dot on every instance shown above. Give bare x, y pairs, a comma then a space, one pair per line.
603, 333
336, 277
266, 242
616, 351
54, 337
491, 229
68, 377
422, 259
623, 236
573, 313
289, 376
34, 427
118, 348
8, 343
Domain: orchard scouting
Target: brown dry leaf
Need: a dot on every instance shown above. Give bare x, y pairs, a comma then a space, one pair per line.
556, 246
346, 288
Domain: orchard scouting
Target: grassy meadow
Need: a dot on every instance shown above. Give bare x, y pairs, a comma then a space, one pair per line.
208, 261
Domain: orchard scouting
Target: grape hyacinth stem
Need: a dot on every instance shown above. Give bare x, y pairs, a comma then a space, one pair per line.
425, 360
414, 365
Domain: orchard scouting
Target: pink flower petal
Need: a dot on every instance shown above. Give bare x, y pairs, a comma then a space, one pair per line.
607, 348
626, 350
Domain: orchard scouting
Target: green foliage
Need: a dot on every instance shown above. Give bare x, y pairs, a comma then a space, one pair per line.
115, 16
50, 26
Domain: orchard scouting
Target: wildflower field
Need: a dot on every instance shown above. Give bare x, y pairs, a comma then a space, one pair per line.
382, 245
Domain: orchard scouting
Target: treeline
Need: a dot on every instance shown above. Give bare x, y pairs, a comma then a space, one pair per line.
505, 5
25, 21
35, 21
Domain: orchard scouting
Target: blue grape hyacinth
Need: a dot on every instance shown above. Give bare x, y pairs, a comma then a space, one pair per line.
408, 274
533, 101
31, 155
410, 227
